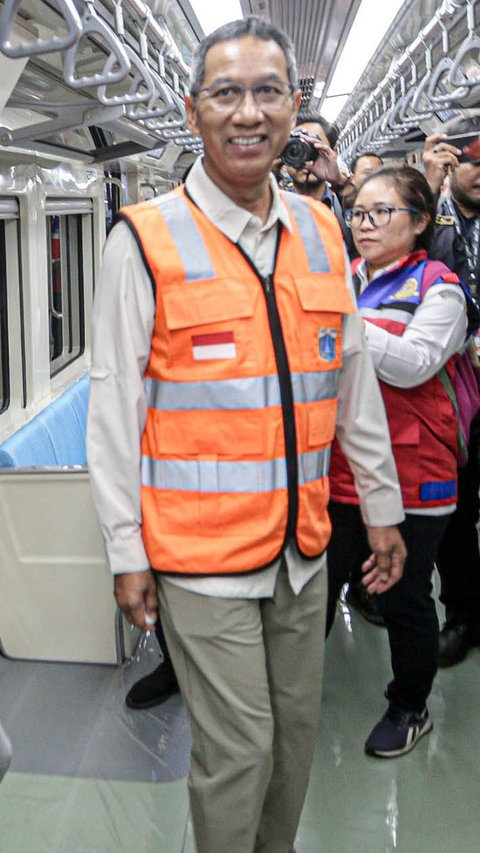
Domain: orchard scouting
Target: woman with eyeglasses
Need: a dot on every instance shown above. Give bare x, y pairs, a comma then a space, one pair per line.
415, 322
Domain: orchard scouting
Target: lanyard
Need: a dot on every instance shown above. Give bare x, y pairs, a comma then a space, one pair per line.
471, 243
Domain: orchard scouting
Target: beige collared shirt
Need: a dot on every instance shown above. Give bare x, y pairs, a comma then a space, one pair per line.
123, 323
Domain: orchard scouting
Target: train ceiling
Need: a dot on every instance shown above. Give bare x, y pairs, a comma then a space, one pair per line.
121, 67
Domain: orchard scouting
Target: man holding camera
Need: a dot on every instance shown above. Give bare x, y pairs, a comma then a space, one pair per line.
457, 244
310, 160
227, 350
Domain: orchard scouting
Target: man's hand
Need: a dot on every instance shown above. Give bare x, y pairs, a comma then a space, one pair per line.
439, 159
385, 565
325, 167
136, 594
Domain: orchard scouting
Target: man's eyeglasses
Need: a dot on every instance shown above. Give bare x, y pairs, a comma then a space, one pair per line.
377, 216
227, 97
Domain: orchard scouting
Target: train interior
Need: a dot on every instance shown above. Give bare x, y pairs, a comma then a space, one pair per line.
92, 118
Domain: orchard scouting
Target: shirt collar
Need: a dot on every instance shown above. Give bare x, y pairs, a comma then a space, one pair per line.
327, 196
227, 216
362, 273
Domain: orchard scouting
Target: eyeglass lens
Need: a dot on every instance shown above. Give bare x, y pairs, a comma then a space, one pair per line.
266, 96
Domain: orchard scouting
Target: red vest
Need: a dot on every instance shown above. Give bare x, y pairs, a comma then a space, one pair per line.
423, 426
241, 388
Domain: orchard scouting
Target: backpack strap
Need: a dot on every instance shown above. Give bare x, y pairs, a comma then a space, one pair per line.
435, 270
450, 391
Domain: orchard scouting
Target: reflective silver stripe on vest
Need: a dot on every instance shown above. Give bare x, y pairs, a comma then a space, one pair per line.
312, 238
312, 387
191, 475
403, 317
194, 254
313, 465
255, 392
187, 238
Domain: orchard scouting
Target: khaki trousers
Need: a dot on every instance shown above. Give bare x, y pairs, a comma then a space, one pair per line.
250, 672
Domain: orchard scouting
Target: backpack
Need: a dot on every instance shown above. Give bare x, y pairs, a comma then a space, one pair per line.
464, 391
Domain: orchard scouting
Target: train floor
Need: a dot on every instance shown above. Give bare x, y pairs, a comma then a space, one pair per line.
90, 776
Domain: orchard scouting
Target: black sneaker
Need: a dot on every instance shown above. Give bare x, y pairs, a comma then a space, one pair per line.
397, 732
357, 596
153, 689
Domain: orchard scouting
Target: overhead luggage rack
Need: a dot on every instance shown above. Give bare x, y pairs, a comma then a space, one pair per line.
123, 65
436, 75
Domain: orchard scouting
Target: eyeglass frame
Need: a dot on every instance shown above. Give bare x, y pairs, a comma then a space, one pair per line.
288, 92
368, 213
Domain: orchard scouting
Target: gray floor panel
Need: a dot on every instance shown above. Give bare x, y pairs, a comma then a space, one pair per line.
83, 763
71, 720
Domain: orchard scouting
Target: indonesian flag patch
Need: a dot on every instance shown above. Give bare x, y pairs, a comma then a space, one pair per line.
214, 346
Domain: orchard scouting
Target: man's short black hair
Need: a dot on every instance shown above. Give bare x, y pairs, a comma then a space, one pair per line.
331, 130
354, 162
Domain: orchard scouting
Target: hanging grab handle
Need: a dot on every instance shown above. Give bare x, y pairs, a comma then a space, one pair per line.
457, 74
136, 94
472, 42
438, 91
160, 103
25, 49
94, 25
178, 120
407, 118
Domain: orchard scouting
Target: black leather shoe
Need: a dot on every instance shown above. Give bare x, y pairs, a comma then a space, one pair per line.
454, 643
153, 689
358, 597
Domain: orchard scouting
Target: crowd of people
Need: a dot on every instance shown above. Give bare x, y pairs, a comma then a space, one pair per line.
236, 353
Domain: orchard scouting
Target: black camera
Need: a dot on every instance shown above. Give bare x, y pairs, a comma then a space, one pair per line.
469, 144
298, 151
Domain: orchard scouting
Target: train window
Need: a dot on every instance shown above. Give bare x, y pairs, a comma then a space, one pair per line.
65, 239
11, 304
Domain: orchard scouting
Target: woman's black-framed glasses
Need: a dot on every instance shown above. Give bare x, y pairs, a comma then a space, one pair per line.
226, 97
377, 216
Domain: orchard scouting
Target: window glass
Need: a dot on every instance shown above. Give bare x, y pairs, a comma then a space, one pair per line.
66, 289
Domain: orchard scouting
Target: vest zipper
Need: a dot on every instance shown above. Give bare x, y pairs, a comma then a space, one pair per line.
286, 396
286, 391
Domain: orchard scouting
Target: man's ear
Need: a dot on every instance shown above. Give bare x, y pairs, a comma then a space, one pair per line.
297, 100
191, 111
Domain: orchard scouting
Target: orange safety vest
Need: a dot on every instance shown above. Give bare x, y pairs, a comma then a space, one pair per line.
241, 388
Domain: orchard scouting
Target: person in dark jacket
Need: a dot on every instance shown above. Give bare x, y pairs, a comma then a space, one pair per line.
456, 242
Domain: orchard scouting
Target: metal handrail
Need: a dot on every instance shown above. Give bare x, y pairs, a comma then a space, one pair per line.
94, 25
425, 96
26, 49
116, 182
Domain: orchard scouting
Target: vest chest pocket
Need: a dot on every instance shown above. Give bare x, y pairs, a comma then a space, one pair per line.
209, 329
323, 303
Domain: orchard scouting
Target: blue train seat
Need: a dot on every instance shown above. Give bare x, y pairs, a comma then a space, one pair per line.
56, 436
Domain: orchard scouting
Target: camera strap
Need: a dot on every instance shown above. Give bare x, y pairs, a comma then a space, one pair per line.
471, 242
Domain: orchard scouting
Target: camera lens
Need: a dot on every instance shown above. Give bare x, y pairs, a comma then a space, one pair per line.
297, 151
